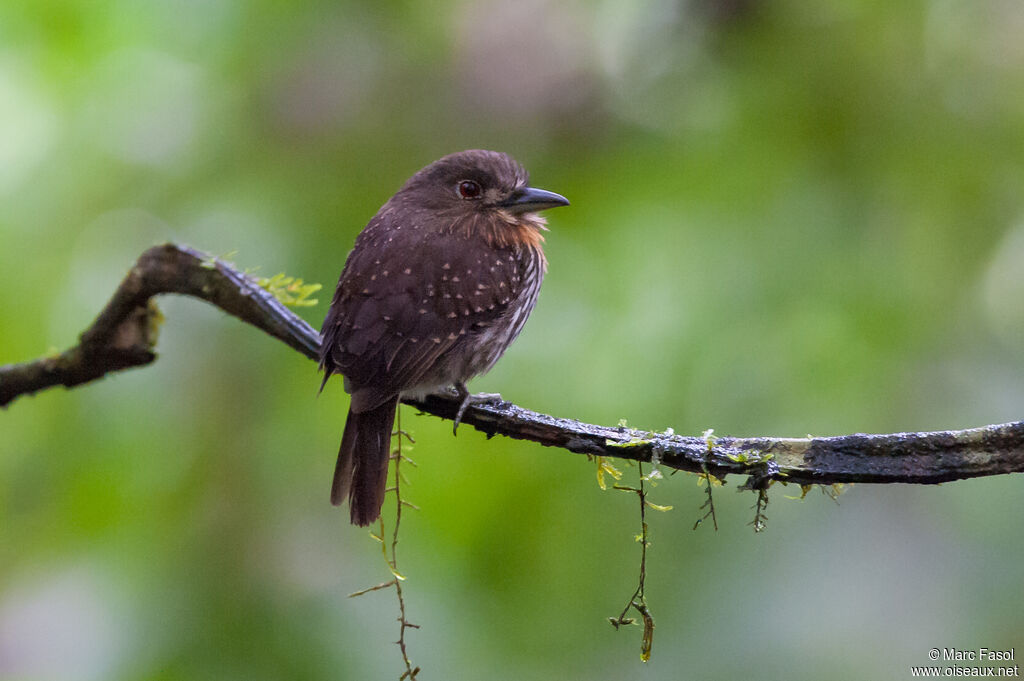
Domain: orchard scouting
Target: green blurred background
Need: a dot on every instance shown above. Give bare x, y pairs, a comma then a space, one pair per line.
787, 218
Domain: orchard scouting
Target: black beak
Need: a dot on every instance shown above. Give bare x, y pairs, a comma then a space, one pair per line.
529, 200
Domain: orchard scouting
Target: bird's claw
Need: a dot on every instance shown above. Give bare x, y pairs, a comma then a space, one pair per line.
469, 399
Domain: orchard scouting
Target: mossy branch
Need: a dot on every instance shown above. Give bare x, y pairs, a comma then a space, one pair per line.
124, 336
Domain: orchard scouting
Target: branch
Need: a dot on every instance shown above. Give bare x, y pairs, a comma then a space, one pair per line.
124, 335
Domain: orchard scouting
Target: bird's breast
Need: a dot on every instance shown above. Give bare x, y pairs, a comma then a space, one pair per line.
427, 310
489, 342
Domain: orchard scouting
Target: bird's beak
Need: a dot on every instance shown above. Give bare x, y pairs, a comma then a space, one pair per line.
529, 200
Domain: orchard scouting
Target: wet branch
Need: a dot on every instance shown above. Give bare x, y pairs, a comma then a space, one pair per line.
124, 335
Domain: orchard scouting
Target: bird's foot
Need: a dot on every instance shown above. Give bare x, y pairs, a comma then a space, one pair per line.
469, 399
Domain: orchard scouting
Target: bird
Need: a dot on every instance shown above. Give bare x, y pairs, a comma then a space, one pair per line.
437, 286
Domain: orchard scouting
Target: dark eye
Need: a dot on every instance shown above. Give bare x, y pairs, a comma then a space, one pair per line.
468, 189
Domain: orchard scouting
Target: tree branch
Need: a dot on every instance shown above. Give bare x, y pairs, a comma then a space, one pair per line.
124, 335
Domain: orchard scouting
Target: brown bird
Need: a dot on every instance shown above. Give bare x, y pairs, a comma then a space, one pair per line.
438, 285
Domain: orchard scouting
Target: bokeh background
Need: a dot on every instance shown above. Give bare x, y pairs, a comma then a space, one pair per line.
787, 218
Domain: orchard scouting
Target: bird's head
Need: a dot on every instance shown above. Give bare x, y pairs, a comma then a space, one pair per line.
477, 192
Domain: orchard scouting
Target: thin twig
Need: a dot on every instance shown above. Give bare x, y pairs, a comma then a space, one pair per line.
404, 623
760, 521
709, 482
383, 585
638, 600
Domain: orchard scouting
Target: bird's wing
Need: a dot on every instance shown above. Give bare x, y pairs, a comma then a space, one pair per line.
401, 305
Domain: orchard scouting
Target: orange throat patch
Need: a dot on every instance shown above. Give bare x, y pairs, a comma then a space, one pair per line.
502, 229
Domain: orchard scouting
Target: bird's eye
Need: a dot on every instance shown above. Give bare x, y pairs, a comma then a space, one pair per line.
468, 189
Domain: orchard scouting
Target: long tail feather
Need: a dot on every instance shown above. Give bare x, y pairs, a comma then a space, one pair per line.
362, 469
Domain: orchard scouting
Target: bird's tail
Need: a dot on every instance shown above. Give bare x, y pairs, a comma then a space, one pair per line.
362, 470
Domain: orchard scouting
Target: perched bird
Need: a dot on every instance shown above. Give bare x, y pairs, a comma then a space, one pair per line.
438, 285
